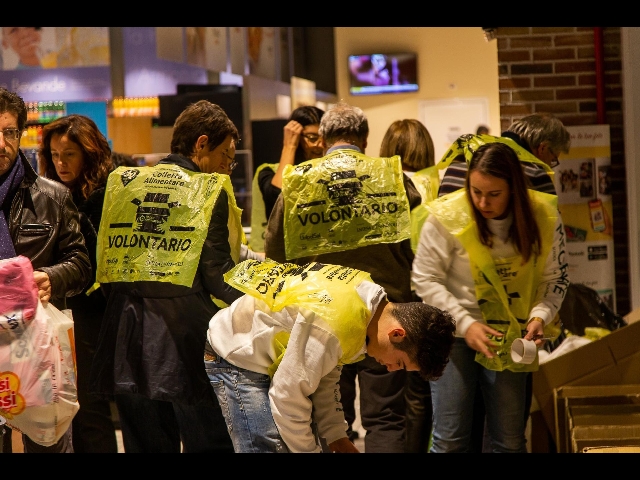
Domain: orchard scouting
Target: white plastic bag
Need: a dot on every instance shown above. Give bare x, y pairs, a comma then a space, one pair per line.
38, 389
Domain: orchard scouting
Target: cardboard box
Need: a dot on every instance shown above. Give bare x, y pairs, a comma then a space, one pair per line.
625, 449
624, 414
632, 317
604, 436
611, 360
592, 398
614, 418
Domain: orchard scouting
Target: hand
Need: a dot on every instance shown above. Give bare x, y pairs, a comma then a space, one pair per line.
343, 445
476, 337
535, 331
44, 286
292, 132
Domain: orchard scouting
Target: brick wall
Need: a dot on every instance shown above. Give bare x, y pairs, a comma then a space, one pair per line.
553, 69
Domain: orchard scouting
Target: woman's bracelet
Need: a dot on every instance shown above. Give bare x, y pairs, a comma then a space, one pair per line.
534, 319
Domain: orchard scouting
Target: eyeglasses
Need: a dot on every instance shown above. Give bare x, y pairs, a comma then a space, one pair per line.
234, 162
311, 137
10, 134
554, 162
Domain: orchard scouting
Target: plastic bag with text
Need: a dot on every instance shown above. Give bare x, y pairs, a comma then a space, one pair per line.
38, 389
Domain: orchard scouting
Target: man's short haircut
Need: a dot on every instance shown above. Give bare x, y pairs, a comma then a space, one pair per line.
344, 122
12, 103
430, 333
539, 127
201, 118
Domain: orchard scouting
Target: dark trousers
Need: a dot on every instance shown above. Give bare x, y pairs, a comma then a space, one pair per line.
417, 396
382, 406
64, 445
93, 427
154, 426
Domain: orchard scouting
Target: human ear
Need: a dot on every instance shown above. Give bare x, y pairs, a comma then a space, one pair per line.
201, 142
397, 335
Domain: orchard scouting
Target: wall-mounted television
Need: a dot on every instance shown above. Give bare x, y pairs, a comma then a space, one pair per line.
378, 73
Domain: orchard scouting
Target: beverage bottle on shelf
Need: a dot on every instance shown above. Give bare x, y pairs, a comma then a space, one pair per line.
32, 111
50, 112
40, 112
39, 134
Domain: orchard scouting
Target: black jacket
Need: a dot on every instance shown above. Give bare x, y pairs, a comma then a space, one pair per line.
153, 334
44, 226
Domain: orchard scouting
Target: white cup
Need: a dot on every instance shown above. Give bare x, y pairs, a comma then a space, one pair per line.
523, 351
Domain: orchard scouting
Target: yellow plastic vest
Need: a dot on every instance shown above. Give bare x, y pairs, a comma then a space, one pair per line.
155, 221
327, 290
467, 144
507, 307
427, 183
258, 214
429, 180
343, 201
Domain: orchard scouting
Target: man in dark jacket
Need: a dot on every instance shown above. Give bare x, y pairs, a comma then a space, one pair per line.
38, 220
167, 236
382, 410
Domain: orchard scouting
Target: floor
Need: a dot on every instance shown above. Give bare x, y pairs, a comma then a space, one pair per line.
359, 443
357, 426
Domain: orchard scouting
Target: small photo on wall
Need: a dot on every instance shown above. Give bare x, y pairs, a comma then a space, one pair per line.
586, 179
574, 180
604, 180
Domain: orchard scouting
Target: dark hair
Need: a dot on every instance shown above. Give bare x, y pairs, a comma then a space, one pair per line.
96, 152
201, 118
305, 115
410, 139
14, 104
500, 161
482, 130
122, 160
430, 333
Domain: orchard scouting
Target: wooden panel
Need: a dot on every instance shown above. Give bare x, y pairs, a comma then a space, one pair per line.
130, 134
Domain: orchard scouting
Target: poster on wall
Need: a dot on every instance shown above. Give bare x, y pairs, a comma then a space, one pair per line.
237, 43
196, 46
56, 63
145, 73
169, 44
54, 47
583, 183
216, 48
262, 52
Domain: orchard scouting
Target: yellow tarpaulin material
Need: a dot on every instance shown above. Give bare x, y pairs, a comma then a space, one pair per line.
154, 223
343, 201
327, 290
258, 214
505, 288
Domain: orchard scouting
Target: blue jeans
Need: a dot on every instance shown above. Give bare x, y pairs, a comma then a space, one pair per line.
452, 395
244, 398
